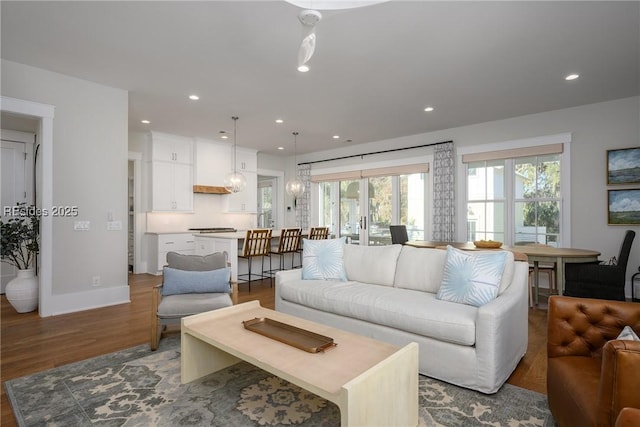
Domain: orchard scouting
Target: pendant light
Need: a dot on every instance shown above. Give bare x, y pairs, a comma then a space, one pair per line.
235, 182
295, 187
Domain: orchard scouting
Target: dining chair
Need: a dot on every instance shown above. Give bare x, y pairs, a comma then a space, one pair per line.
257, 244
549, 270
398, 234
596, 280
288, 243
318, 233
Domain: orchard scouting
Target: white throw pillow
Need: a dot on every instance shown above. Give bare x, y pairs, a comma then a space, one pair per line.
322, 259
628, 334
470, 278
371, 264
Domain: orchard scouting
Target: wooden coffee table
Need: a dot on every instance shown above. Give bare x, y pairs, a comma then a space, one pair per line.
373, 383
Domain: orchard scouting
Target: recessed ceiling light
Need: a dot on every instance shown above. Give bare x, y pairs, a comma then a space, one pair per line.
280, 148
146, 122
429, 109
572, 76
279, 121
224, 137
303, 68
335, 136
194, 97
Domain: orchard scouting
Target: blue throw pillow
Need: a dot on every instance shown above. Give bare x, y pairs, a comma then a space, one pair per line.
322, 259
196, 282
471, 278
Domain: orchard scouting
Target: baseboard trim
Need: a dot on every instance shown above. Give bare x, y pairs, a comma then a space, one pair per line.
95, 298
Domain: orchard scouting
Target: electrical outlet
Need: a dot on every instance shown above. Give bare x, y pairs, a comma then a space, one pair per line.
96, 280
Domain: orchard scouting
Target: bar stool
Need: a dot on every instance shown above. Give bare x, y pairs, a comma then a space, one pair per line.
288, 243
257, 243
318, 233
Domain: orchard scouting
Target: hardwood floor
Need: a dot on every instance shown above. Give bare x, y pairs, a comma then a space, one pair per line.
31, 344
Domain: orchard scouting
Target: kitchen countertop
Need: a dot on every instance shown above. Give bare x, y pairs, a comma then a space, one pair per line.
170, 232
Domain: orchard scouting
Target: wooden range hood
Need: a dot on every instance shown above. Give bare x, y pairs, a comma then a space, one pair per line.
210, 189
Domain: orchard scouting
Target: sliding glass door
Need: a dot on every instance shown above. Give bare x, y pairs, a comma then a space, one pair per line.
363, 209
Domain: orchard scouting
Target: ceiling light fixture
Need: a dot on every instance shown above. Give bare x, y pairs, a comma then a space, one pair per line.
333, 4
279, 121
335, 136
235, 182
194, 97
308, 18
280, 148
572, 76
295, 187
146, 122
429, 109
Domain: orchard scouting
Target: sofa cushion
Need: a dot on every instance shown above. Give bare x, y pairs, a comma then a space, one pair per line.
177, 306
471, 278
323, 259
371, 264
420, 269
404, 309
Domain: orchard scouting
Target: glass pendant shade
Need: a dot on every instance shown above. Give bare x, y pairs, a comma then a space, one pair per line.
295, 188
235, 182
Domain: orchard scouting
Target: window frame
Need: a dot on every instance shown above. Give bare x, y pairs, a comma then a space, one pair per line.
524, 144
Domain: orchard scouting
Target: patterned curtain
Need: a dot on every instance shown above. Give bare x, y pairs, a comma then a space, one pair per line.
303, 204
444, 199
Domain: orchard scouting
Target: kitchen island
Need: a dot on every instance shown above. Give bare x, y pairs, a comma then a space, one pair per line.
231, 243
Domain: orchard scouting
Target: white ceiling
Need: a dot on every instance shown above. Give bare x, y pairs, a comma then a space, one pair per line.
373, 72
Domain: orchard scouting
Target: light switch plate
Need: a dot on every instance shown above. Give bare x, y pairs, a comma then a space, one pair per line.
81, 225
114, 225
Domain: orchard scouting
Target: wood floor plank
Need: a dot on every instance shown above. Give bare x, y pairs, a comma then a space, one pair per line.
32, 344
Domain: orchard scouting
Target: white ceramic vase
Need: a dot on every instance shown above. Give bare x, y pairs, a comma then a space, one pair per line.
22, 292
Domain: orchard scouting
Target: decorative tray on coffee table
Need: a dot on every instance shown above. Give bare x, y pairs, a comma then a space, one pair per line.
290, 335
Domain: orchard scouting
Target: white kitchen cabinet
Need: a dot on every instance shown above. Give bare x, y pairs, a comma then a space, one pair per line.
246, 159
213, 162
171, 173
160, 244
171, 148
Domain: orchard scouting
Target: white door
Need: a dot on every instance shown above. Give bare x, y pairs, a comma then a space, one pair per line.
16, 167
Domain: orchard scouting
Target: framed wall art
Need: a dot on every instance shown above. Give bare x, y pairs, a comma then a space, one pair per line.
624, 207
623, 166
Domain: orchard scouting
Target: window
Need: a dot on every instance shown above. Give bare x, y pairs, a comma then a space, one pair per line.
515, 195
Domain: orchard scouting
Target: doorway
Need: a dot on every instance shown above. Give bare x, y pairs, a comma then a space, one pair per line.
17, 166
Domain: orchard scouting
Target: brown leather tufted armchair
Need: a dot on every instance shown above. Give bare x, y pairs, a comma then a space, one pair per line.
591, 376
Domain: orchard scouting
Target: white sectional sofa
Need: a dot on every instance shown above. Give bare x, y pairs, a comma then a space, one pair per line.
390, 295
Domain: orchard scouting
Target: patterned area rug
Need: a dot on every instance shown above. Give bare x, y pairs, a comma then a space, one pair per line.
137, 387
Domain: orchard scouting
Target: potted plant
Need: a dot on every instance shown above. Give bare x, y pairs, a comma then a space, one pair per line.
19, 247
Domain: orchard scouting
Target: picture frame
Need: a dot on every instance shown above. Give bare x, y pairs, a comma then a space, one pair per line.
623, 166
623, 207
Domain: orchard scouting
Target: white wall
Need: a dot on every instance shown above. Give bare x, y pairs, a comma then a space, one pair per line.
595, 128
89, 171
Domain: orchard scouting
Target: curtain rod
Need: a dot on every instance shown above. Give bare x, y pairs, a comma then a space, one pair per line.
374, 152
